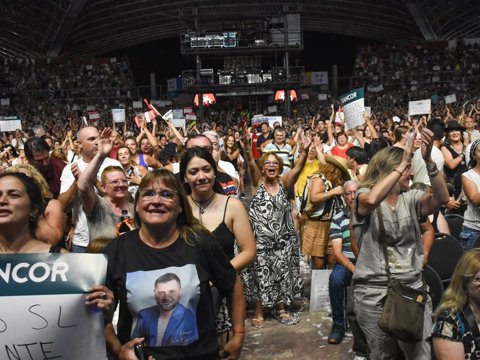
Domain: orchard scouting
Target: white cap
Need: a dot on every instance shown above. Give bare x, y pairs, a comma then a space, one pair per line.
396, 119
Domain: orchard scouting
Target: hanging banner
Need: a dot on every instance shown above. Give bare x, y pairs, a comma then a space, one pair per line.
42, 306
353, 104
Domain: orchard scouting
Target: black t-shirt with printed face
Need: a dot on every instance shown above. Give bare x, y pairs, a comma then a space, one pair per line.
133, 268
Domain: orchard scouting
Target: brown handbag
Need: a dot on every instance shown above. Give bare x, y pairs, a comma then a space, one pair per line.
403, 307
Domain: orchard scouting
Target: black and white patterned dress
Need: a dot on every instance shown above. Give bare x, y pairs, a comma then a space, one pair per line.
274, 277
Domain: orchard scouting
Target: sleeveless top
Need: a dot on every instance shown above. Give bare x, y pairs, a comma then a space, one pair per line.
224, 236
141, 161
454, 178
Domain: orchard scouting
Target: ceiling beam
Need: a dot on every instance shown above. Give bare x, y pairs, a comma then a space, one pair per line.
421, 21
63, 31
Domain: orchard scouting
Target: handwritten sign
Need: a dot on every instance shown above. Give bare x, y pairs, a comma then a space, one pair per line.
42, 306
449, 99
353, 104
10, 123
118, 115
420, 107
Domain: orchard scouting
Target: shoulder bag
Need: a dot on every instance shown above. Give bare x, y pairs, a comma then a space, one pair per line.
403, 307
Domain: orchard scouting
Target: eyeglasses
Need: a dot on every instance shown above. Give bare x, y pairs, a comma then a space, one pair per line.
166, 195
118, 182
273, 163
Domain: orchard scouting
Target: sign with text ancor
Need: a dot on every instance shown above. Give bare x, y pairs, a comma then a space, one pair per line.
42, 306
353, 104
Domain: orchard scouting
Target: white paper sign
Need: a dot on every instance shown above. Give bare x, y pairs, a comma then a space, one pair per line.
42, 307
322, 97
319, 295
449, 99
118, 115
9, 125
191, 117
178, 123
353, 104
137, 104
5, 102
273, 119
420, 107
368, 110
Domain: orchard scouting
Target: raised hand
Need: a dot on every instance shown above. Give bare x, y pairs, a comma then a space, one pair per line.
105, 144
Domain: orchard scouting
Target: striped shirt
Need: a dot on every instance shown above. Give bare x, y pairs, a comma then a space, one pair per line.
340, 229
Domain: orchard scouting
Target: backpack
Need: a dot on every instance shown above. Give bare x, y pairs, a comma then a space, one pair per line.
324, 210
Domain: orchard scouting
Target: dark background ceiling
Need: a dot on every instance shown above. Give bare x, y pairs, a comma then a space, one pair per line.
88, 28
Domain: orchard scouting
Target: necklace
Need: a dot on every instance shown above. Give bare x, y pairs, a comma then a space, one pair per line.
202, 205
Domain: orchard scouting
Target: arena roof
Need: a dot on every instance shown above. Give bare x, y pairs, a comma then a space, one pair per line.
88, 28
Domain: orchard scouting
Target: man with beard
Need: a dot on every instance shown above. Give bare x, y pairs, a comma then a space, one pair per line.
168, 323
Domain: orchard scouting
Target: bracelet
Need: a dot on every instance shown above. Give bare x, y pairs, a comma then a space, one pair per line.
398, 171
433, 173
238, 331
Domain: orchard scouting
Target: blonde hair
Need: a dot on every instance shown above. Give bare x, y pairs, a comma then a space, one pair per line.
381, 165
265, 157
456, 295
36, 176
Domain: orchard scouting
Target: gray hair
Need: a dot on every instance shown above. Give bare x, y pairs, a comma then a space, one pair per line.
350, 182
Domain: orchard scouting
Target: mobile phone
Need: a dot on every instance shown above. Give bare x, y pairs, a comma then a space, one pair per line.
139, 351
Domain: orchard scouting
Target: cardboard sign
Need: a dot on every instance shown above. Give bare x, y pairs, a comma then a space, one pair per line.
118, 115
450, 99
10, 123
353, 104
319, 295
420, 107
42, 306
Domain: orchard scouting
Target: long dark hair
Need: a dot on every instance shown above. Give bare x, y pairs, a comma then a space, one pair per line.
34, 194
202, 154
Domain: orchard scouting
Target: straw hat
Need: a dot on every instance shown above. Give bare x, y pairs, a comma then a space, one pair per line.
340, 163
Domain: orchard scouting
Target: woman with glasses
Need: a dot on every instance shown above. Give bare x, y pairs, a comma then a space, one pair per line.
104, 213
224, 216
273, 281
172, 250
455, 331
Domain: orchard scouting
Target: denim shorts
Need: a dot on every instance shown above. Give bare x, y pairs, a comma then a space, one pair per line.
468, 237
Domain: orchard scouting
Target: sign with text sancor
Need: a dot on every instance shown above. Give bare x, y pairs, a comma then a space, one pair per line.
353, 104
42, 306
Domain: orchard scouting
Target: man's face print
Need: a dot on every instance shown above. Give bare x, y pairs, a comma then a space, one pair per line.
168, 295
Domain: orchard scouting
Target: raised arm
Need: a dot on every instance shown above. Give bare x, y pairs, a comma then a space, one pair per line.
255, 174
290, 178
88, 178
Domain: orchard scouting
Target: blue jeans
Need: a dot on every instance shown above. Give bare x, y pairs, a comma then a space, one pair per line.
78, 249
339, 279
467, 237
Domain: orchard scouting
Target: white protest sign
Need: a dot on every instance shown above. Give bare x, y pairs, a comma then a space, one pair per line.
322, 97
450, 99
273, 119
10, 123
118, 115
5, 102
368, 110
42, 306
420, 107
137, 104
191, 117
168, 116
178, 123
178, 114
353, 105
319, 295
272, 109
